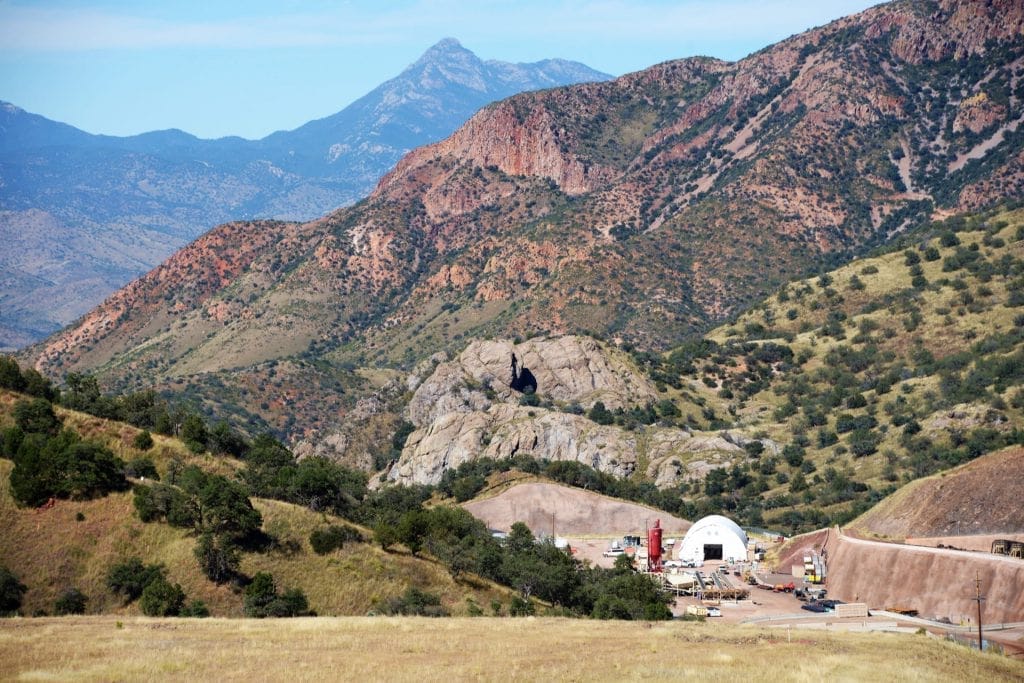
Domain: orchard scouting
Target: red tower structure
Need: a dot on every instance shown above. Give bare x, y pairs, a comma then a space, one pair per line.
654, 547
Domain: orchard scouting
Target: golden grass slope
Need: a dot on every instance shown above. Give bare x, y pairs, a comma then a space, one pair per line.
51, 551
419, 649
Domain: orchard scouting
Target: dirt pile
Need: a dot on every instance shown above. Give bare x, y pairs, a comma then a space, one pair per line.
569, 511
982, 497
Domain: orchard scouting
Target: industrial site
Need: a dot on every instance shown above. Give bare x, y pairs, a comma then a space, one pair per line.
825, 580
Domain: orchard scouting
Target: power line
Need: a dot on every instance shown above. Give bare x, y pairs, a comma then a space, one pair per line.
978, 599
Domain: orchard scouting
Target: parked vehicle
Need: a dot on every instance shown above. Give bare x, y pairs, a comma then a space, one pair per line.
814, 607
714, 612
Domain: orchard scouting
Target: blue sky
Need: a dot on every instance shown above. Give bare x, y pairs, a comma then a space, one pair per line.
226, 67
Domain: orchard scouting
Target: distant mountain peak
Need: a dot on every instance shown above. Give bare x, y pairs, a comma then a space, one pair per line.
447, 44
445, 50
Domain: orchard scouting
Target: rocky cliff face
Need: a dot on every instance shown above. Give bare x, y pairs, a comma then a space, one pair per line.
666, 456
469, 408
569, 369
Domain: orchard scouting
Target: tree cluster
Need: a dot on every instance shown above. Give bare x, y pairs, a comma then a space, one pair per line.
216, 508
536, 569
263, 600
51, 462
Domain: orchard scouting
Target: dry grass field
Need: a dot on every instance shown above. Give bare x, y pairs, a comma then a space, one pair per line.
420, 649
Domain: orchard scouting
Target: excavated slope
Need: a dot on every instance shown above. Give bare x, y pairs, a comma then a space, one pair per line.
570, 511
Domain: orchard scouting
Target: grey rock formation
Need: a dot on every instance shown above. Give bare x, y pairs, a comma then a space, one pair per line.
505, 430
569, 369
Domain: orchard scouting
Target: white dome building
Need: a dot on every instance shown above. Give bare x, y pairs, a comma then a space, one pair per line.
714, 538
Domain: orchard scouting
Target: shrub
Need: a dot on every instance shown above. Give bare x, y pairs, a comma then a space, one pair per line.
415, 602
36, 416
162, 501
291, 603
11, 589
754, 448
10, 374
259, 594
196, 609
793, 454
71, 601
863, 442
333, 537
130, 578
386, 535
143, 440
63, 466
161, 598
856, 401
523, 608
600, 414
218, 557
142, 468
262, 600
194, 434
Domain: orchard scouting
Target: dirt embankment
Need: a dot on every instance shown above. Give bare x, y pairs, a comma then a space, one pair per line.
569, 512
981, 543
936, 582
796, 548
981, 497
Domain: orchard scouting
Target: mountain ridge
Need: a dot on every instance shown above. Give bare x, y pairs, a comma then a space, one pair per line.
161, 189
640, 210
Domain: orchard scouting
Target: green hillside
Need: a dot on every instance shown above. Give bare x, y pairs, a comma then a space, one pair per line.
884, 370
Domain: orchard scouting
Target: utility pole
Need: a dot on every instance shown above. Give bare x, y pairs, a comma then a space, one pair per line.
978, 599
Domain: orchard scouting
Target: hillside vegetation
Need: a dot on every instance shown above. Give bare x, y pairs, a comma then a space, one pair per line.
887, 369
445, 559
73, 544
802, 412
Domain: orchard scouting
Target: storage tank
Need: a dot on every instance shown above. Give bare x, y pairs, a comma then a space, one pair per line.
654, 547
